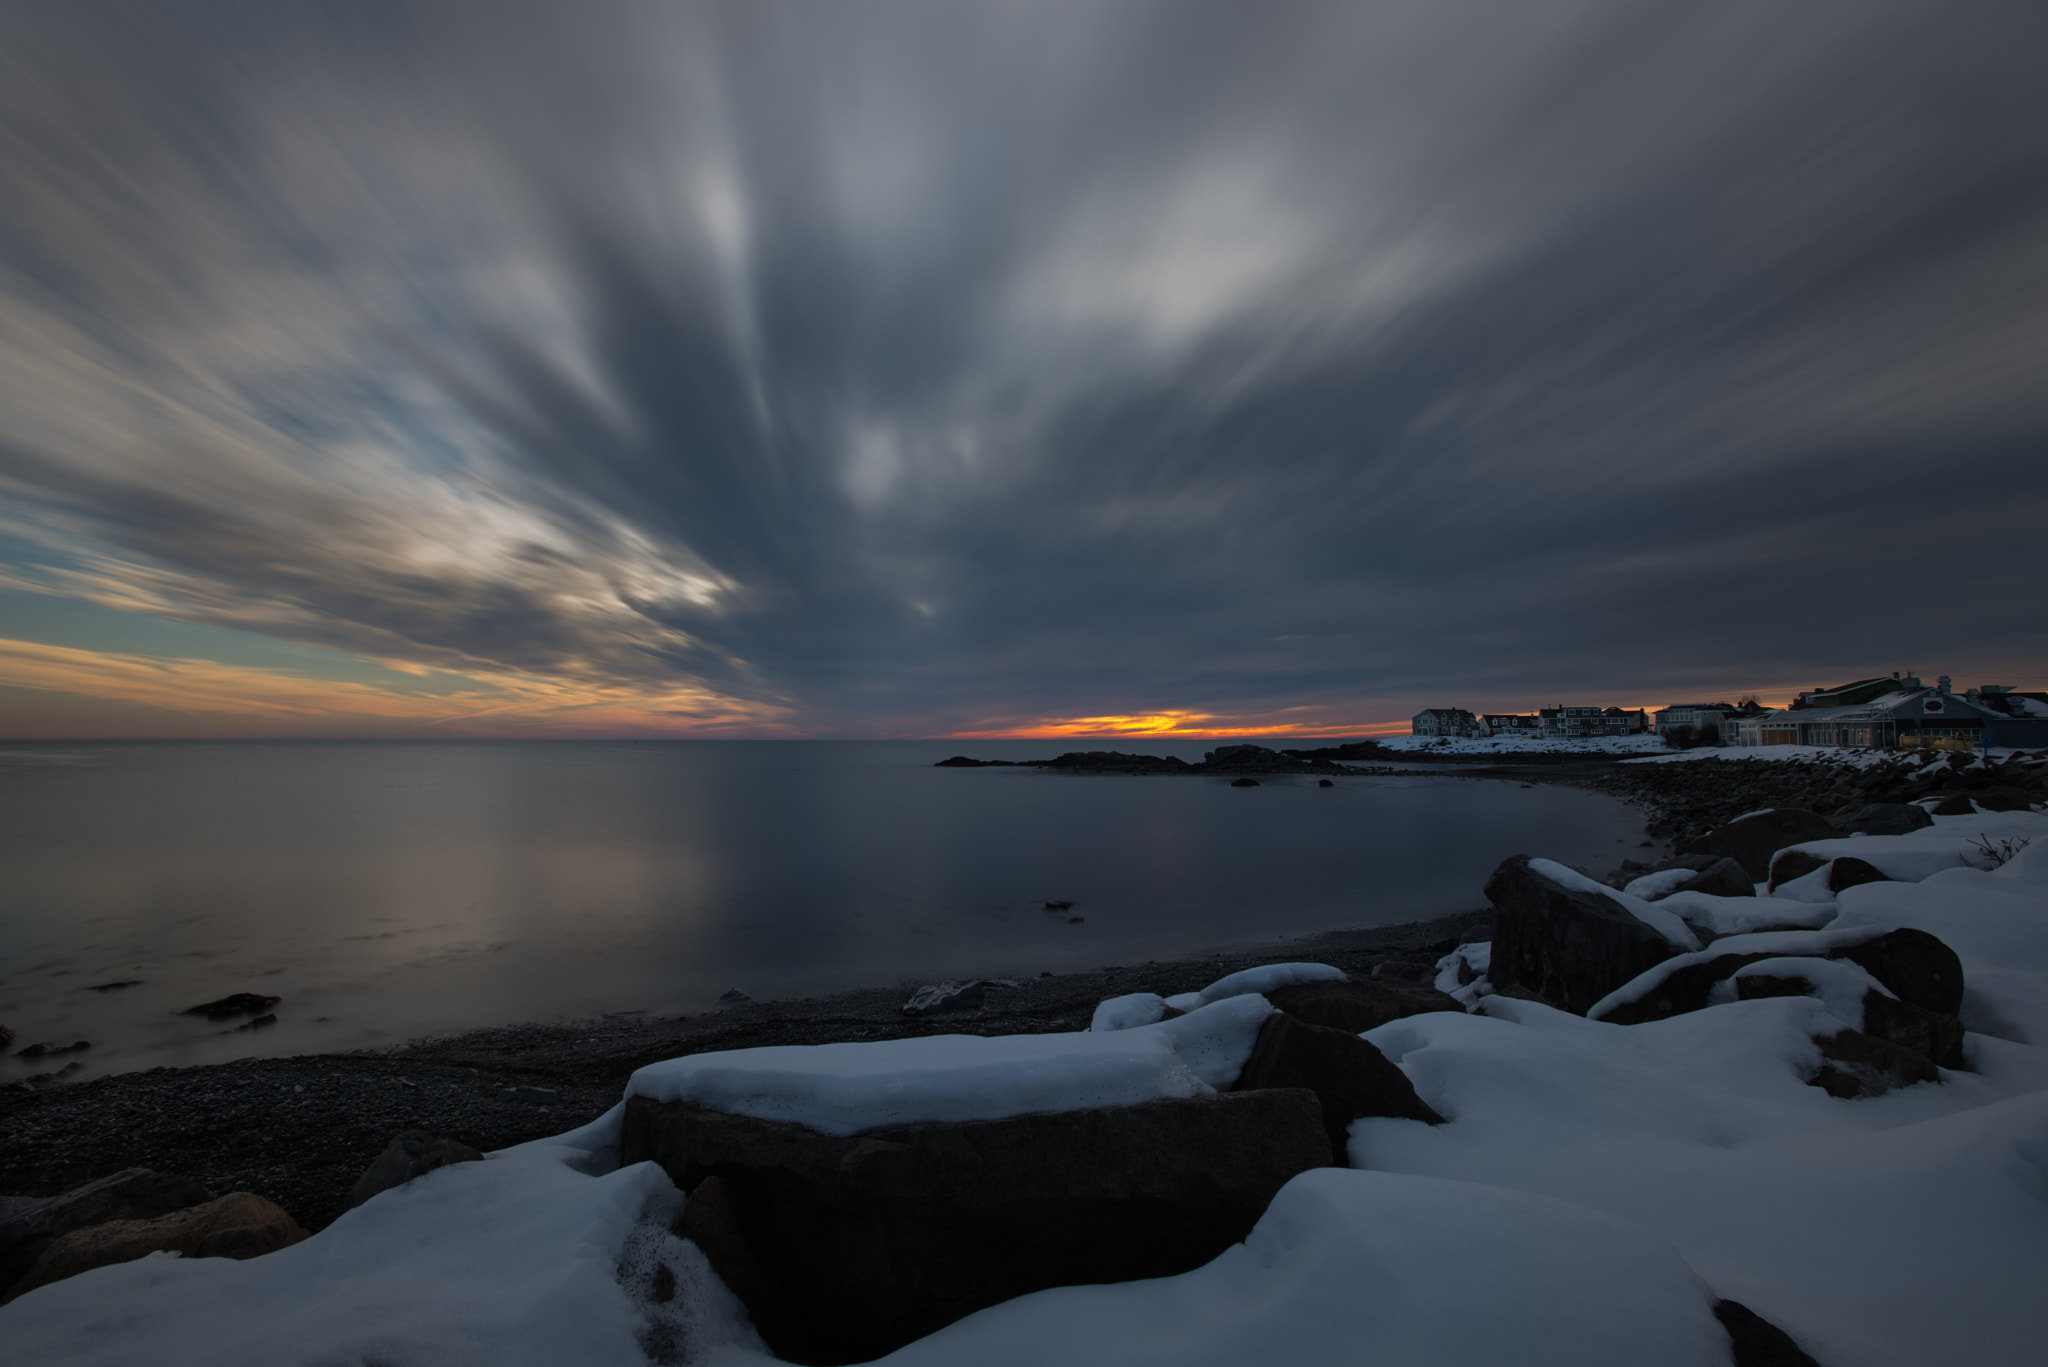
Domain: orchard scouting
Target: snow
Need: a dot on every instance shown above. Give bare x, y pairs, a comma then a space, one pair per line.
847, 1088
1715, 916
1773, 942
1265, 978
1950, 843
1656, 916
1478, 958
1652, 886
1905, 1229
1125, 1012
1840, 987
498, 1264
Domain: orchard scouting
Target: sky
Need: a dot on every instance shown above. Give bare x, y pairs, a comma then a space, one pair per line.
1026, 368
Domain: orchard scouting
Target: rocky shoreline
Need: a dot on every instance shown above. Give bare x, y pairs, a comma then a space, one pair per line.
299, 1131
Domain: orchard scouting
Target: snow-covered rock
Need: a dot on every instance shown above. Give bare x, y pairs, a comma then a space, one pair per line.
846, 1088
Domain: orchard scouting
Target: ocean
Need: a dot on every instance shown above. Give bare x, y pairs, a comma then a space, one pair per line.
386, 891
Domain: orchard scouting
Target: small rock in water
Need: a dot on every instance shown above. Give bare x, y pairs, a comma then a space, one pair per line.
733, 994
116, 985
263, 1021
537, 1096
241, 1004
1059, 906
1244, 783
49, 1050
939, 997
1325, 783
1075, 920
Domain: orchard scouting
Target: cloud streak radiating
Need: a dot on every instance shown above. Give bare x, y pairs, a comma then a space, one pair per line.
880, 369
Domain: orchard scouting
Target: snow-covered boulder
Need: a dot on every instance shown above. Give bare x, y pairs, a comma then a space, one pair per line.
846, 1247
1571, 940
1351, 1079
1751, 840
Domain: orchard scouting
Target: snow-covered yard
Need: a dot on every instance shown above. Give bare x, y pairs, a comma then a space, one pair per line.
1597, 1188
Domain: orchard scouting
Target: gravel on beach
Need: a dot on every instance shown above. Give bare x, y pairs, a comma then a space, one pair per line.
298, 1131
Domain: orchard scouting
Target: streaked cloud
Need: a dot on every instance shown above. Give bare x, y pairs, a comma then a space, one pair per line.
882, 369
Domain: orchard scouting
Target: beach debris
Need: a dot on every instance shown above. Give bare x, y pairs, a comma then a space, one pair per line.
733, 994
240, 1004
533, 1096
410, 1154
937, 997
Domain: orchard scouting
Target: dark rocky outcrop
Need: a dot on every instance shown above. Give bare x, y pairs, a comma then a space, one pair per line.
131, 1194
410, 1154
1244, 783
1791, 864
1915, 966
240, 1004
1933, 1036
1849, 872
1116, 762
238, 1225
1358, 1005
1721, 878
845, 1248
1570, 947
1754, 1341
1955, 804
1857, 1064
1886, 818
940, 997
1751, 840
50, 1049
1351, 1078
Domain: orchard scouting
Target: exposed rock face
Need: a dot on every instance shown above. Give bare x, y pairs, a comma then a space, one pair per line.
1115, 761
1857, 1064
1685, 989
1955, 804
240, 1004
238, 1225
410, 1154
1752, 840
131, 1194
1793, 864
1886, 818
1358, 1005
1754, 1341
1570, 947
1931, 1035
1848, 872
1915, 966
846, 1248
1351, 1078
938, 997
1721, 878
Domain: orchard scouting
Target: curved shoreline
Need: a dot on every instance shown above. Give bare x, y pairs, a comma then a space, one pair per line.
299, 1130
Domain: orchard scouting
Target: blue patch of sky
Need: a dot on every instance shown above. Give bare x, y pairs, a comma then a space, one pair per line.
47, 619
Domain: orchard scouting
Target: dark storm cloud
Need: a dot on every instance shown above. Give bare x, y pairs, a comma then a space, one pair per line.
907, 365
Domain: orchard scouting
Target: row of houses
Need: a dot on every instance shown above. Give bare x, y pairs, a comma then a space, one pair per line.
1882, 713
1546, 723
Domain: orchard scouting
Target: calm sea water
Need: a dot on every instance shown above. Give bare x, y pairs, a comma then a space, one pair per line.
386, 891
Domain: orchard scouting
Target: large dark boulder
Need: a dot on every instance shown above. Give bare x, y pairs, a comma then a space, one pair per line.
1850, 872
131, 1194
1791, 864
1754, 1341
2003, 800
1886, 818
1751, 840
1682, 990
1567, 946
410, 1154
1357, 1005
1916, 966
1721, 878
238, 1225
846, 1248
1351, 1078
1857, 1064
